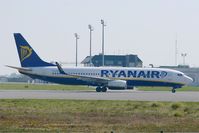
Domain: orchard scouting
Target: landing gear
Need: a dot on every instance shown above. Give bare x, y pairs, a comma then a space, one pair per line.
174, 90
104, 89
98, 89
101, 89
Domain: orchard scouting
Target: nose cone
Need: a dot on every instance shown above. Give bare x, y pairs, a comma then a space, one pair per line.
188, 80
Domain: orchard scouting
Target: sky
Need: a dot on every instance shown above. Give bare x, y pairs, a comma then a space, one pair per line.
147, 28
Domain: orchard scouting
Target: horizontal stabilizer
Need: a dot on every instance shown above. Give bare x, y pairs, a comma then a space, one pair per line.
20, 68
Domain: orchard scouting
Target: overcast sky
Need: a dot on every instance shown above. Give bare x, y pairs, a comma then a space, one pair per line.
144, 27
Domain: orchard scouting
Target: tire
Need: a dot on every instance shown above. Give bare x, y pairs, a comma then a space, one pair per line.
98, 89
104, 89
173, 90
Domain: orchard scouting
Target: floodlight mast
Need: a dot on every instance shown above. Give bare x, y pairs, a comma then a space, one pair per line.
76, 39
183, 56
176, 51
90, 29
103, 25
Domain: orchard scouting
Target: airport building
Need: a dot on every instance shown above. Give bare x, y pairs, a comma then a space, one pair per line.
113, 60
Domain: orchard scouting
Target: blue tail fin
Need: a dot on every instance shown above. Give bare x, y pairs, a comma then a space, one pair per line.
27, 55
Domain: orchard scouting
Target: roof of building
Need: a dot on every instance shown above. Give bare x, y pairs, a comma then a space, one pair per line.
86, 60
121, 57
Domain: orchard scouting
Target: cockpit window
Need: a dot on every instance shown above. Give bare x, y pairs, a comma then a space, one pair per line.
180, 75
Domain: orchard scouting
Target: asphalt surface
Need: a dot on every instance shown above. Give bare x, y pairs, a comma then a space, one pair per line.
110, 95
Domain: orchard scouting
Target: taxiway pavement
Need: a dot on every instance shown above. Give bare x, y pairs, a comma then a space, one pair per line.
110, 95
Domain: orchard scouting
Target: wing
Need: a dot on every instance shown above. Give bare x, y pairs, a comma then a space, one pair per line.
89, 79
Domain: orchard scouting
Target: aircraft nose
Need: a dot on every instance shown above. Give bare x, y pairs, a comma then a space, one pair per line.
189, 80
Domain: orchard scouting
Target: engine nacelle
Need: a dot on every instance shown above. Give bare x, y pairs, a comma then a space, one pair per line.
117, 85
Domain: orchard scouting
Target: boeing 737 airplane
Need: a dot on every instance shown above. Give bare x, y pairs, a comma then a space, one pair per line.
116, 78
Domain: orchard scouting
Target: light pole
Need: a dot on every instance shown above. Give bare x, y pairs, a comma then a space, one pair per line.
183, 56
176, 51
76, 38
103, 25
90, 29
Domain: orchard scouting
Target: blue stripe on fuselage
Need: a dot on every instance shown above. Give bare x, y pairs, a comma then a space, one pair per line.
68, 80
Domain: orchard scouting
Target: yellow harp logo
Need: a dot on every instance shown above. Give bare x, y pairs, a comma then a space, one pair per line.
25, 52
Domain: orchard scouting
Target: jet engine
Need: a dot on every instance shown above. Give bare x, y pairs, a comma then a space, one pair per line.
117, 85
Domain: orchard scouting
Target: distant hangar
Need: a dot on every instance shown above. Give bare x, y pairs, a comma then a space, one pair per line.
113, 60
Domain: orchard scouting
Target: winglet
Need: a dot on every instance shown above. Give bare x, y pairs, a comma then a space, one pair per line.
60, 68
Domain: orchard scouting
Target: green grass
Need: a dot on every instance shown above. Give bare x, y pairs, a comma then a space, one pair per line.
186, 88
97, 116
15, 86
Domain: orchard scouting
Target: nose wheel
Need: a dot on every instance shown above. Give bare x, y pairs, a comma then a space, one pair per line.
101, 89
174, 90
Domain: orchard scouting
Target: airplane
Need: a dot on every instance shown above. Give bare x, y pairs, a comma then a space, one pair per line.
103, 78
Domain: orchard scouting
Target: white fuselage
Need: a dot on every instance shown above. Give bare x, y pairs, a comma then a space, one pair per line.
133, 76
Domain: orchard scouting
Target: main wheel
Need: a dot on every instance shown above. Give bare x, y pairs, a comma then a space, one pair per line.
104, 89
173, 90
98, 89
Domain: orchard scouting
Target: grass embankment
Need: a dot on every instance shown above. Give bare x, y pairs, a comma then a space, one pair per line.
15, 86
97, 116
